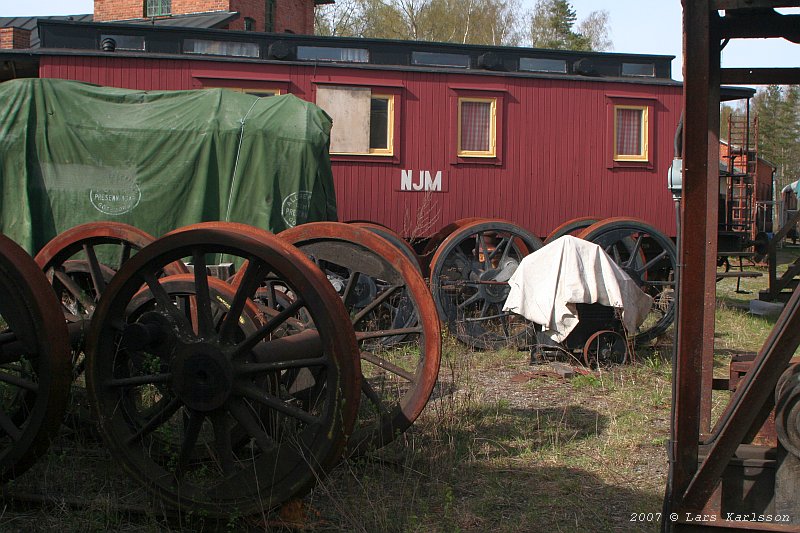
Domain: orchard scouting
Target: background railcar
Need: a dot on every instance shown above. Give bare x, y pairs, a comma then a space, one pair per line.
427, 133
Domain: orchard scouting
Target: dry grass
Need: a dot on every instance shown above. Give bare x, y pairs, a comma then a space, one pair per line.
488, 454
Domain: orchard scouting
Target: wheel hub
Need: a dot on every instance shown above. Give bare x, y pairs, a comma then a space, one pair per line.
493, 293
202, 376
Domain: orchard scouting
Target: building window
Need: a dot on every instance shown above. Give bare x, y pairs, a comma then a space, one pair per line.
639, 69
329, 53
254, 91
381, 124
262, 92
269, 15
220, 48
539, 64
630, 133
477, 127
249, 24
439, 59
157, 8
363, 121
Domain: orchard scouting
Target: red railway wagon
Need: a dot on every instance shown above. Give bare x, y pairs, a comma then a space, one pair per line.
427, 133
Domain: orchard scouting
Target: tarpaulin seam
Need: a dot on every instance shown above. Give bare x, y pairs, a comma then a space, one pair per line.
236, 163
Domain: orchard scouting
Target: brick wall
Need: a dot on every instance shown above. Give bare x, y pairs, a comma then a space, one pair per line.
118, 9
254, 9
135, 9
15, 38
180, 7
294, 15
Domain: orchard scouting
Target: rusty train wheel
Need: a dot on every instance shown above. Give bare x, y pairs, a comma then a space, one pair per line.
395, 320
143, 311
570, 227
469, 282
604, 348
426, 257
649, 257
787, 409
79, 263
34, 361
438, 237
204, 381
393, 237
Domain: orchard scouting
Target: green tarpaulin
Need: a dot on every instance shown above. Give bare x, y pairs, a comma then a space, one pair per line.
72, 153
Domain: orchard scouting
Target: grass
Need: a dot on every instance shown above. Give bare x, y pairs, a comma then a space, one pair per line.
490, 453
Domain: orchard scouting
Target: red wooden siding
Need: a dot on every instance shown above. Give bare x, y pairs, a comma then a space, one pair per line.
554, 148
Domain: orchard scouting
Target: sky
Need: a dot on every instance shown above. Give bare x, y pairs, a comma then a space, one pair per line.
655, 27
637, 26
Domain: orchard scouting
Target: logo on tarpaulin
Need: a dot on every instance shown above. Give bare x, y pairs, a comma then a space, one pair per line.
119, 195
295, 208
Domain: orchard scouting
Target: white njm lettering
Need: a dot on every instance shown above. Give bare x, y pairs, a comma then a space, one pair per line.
424, 182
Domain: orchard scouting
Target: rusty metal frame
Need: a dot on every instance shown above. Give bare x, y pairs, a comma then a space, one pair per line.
699, 455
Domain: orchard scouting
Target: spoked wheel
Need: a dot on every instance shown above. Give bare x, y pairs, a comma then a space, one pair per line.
395, 321
252, 417
787, 409
145, 352
469, 282
426, 257
649, 258
34, 361
395, 239
79, 263
605, 348
570, 227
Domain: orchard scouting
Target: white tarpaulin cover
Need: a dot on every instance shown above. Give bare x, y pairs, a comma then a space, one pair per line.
569, 271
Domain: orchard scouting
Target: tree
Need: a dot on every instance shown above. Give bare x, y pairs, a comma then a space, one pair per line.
595, 28
340, 19
468, 21
778, 112
552, 25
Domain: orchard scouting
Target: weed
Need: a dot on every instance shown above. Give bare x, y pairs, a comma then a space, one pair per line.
588, 380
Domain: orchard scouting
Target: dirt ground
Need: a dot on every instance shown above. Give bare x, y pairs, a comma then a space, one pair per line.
502, 446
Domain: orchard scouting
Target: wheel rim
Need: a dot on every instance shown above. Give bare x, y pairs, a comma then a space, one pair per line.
395, 239
35, 367
79, 263
216, 383
469, 282
604, 348
649, 258
573, 226
400, 353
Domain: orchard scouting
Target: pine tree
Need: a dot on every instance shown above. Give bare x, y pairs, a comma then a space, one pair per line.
552, 26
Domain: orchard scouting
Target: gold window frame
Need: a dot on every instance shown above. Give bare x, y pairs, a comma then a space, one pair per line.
644, 146
492, 151
389, 150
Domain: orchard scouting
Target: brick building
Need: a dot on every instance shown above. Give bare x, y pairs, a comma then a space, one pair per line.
295, 16
278, 16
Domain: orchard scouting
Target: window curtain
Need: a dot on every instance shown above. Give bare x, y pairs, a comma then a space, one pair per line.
475, 126
629, 132
220, 48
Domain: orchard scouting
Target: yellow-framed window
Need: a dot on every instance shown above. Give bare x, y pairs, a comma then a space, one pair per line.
477, 127
262, 92
249, 90
381, 124
631, 132
363, 121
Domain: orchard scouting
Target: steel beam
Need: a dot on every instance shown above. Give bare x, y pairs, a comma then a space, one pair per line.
754, 4
697, 261
761, 76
